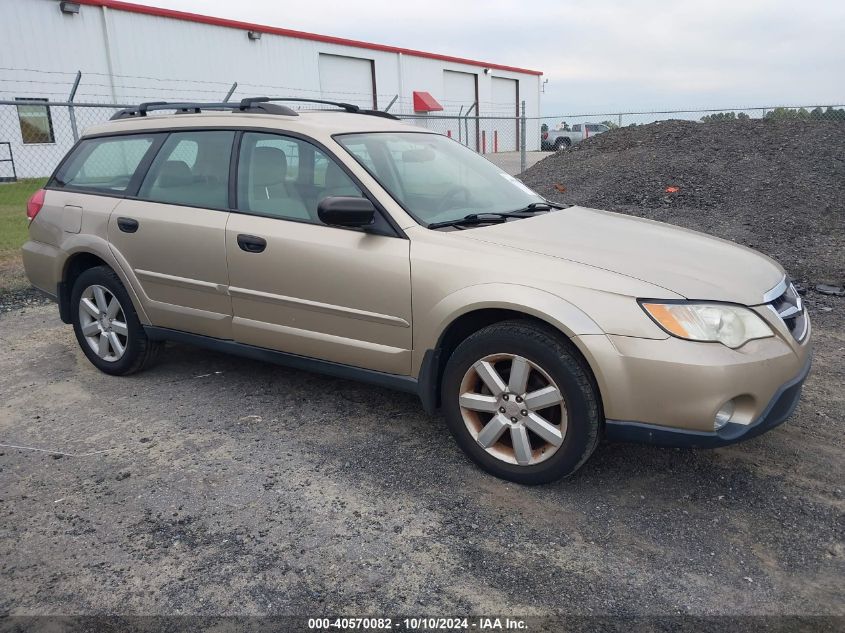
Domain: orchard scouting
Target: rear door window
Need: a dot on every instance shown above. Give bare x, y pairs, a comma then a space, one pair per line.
191, 169
105, 164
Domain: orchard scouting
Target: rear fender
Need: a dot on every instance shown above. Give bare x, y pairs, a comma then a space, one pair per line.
94, 245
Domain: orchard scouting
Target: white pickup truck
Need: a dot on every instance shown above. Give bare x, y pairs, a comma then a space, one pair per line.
564, 136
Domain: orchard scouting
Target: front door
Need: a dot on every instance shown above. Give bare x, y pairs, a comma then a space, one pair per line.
305, 288
173, 234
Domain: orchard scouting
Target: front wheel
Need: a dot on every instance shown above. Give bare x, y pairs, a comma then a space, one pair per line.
106, 324
520, 403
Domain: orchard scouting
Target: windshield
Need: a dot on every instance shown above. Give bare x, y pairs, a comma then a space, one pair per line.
434, 178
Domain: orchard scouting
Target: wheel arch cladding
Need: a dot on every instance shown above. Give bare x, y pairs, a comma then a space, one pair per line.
74, 266
79, 262
84, 255
544, 306
467, 323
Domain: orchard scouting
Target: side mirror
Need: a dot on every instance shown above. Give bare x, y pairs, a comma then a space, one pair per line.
346, 211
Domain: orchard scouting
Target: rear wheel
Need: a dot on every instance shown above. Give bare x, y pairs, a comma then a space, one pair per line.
520, 403
106, 324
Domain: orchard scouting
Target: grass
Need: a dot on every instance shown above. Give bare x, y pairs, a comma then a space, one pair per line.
13, 223
13, 230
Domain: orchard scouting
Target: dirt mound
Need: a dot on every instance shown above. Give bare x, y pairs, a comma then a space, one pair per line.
776, 186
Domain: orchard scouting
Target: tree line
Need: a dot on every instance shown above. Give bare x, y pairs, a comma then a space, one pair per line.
792, 114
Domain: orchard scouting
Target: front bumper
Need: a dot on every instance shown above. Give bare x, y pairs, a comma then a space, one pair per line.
668, 391
779, 408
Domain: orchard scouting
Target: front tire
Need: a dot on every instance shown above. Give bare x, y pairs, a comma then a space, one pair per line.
520, 403
106, 324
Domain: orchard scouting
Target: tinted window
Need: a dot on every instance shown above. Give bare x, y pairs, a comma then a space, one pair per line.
105, 164
576, 127
191, 168
284, 177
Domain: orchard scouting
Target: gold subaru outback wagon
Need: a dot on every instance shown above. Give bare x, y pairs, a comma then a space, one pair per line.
346, 242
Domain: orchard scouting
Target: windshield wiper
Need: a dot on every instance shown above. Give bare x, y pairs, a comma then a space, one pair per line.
472, 218
534, 206
497, 217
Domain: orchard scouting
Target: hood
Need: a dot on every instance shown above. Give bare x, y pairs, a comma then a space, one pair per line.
688, 263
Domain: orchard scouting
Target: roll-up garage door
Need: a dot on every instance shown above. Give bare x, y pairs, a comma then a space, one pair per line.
347, 79
460, 93
504, 97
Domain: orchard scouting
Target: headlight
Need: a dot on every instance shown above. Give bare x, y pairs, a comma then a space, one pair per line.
715, 322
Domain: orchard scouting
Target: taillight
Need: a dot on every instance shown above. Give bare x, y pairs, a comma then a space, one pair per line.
34, 204
545, 135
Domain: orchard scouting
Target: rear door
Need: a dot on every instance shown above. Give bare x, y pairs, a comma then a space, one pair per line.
172, 235
305, 288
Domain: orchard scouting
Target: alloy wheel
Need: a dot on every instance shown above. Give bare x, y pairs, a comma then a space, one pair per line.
103, 323
513, 409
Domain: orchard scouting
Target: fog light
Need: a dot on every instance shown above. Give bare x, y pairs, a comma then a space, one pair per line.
723, 415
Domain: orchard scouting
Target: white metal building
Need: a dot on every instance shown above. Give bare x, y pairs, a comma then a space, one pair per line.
129, 53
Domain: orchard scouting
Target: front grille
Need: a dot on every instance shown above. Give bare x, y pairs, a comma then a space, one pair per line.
790, 308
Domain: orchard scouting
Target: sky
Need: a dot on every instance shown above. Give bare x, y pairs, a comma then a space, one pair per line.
602, 55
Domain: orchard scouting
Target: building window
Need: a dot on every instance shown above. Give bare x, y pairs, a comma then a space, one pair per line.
36, 122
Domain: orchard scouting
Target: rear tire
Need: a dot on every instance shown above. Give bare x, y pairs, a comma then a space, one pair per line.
545, 421
106, 325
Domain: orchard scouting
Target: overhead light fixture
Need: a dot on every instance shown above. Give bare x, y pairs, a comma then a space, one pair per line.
254, 35
70, 8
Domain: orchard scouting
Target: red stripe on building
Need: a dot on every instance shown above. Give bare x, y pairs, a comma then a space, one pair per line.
118, 5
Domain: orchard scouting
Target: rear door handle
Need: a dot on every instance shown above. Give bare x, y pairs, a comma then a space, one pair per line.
251, 243
127, 225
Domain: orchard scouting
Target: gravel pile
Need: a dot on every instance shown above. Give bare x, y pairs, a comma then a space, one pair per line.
776, 186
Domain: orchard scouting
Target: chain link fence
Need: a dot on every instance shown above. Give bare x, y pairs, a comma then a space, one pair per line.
36, 133
483, 134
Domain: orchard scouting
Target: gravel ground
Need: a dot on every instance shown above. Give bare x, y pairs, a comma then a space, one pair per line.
216, 485
23, 298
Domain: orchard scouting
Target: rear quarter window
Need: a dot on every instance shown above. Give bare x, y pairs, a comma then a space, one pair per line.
103, 164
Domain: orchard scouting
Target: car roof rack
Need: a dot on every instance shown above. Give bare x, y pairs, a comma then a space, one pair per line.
255, 106
347, 107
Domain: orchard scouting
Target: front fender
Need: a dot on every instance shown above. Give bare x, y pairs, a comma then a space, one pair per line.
545, 306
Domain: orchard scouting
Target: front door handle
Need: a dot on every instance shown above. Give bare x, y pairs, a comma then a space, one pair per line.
127, 225
251, 243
